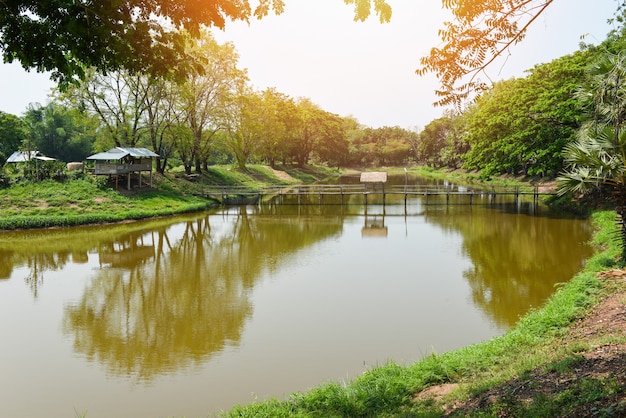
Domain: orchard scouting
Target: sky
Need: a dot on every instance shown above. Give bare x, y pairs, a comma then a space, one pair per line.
365, 70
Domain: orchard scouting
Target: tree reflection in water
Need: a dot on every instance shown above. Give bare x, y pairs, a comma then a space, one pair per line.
516, 259
168, 294
169, 299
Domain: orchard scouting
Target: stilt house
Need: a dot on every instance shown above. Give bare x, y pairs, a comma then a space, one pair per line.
124, 162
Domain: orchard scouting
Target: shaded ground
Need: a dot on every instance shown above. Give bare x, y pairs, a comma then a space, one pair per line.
594, 377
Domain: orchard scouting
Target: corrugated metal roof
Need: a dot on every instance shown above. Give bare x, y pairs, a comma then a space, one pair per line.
374, 177
118, 153
140, 152
23, 156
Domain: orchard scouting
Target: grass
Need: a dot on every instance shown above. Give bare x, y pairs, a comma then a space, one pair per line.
89, 200
464, 177
77, 202
536, 341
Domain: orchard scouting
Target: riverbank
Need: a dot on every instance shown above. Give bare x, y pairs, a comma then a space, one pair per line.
567, 358
86, 200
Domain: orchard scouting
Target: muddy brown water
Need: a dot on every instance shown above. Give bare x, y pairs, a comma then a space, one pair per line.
189, 315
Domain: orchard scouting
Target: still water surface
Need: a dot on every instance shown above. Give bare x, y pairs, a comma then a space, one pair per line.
190, 315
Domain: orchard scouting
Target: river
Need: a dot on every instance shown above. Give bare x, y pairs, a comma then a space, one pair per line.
189, 315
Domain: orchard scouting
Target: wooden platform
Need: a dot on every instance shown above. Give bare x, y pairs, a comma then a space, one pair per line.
302, 193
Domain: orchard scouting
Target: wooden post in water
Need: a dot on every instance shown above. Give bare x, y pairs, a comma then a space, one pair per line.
384, 195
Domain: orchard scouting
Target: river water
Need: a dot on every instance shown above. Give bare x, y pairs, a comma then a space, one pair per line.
189, 315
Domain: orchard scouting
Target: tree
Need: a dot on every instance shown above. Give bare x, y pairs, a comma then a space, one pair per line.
159, 117
382, 146
280, 117
598, 158
118, 99
141, 36
481, 31
331, 146
12, 134
433, 140
244, 124
521, 125
312, 131
61, 132
205, 97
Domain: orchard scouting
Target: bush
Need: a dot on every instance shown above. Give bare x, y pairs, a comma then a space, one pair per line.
101, 182
5, 181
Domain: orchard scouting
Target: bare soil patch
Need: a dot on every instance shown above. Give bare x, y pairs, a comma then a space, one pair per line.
281, 175
603, 329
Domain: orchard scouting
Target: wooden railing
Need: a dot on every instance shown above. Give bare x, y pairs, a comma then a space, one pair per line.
241, 194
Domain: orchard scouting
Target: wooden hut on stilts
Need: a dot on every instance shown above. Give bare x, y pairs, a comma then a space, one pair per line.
124, 162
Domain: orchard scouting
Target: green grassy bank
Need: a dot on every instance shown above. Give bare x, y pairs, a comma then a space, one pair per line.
541, 339
86, 200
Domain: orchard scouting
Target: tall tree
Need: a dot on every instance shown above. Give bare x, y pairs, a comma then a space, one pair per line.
244, 124
433, 140
204, 97
159, 116
598, 158
66, 134
118, 99
332, 145
521, 125
12, 133
318, 132
280, 116
480, 31
141, 36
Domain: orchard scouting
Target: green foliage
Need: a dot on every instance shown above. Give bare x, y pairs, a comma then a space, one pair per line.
101, 182
12, 134
60, 132
598, 158
382, 147
521, 125
4, 180
66, 37
441, 143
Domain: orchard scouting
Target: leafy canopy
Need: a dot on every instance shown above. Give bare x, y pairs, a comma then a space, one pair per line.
480, 31
67, 36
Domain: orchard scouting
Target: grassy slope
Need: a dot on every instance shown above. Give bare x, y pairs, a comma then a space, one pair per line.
85, 201
540, 338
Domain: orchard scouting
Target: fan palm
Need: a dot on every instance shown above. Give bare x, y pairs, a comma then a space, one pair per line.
594, 161
598, 157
